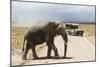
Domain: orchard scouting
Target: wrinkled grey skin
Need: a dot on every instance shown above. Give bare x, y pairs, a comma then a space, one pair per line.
44, 33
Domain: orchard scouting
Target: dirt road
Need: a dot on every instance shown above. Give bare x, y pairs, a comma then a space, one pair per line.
79, 49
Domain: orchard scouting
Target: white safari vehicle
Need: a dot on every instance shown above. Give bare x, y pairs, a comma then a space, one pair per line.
74, 29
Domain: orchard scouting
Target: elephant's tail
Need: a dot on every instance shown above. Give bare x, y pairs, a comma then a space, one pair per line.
23, 45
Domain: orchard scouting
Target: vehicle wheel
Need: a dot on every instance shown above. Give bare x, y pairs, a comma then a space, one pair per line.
82, 34
79, 35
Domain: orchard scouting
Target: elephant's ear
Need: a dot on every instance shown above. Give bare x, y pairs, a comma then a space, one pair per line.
61, 27
61, 30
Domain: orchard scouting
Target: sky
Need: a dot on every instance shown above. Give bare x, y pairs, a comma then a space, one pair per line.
32, 11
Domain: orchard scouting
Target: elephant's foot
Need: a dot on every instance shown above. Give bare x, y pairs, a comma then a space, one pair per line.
49, 57
35, 57
64, 56
56, 55
23, 57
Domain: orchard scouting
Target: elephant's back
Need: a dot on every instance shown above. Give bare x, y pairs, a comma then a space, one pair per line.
37, 37
37, 26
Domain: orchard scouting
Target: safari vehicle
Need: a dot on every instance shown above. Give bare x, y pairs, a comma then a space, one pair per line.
74, 30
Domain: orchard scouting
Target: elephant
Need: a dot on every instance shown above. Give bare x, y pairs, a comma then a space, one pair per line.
44, 33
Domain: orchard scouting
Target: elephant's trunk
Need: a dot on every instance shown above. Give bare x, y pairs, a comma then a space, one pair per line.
65, 49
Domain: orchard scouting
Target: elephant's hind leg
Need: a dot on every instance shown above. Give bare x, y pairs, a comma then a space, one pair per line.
26, 51
33, 50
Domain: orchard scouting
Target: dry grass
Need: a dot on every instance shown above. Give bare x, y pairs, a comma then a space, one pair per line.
90, 32
89, 29
18, 34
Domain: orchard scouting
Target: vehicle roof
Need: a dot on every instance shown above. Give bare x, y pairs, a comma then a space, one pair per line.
73, 24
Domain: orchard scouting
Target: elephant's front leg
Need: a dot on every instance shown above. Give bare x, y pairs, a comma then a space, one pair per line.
50, 44
49, 52
55, 50
50, 47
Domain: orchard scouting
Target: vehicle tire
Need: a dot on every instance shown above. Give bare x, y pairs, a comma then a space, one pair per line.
81, 34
